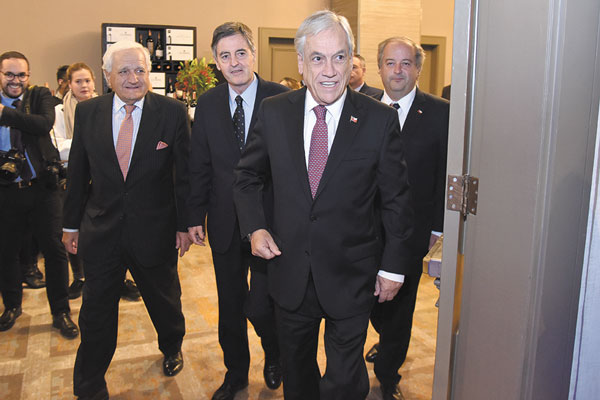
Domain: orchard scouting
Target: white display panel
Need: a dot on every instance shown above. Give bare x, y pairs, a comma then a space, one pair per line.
157, 79
116, 33
180, 53
180, 36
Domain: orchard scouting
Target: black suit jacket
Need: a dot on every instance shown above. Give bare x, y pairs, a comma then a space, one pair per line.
371, 91
145, 210
214, 155
35, 124
425, 138
336, 236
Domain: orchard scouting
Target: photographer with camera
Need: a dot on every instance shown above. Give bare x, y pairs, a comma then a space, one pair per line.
29, 178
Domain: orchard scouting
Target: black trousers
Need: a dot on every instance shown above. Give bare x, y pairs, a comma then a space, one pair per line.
98, 317
345, 376
39, 209
393, 321
238, 302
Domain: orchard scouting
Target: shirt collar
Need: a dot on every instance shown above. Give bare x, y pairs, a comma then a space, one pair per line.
118, 103
249, 93
334, 108
405, 102
359, 87
7, 101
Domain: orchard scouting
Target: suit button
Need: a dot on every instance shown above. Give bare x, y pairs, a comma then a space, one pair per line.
313, 218
307, 253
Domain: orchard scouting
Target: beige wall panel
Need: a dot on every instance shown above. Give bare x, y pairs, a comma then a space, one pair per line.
51, 33
438, 20
349, 9
380, 19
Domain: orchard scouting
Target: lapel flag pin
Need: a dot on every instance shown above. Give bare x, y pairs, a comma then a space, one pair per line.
161, 145
420, 112
353, 119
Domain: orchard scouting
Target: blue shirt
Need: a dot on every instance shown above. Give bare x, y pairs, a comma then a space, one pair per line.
5, 130
5, 133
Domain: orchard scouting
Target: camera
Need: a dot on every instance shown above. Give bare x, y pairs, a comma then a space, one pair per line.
55, 175
11, 164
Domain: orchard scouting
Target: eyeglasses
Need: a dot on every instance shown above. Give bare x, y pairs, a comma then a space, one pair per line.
10, 76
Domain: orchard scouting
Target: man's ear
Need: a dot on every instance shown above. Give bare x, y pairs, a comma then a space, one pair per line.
300, 63
106, 75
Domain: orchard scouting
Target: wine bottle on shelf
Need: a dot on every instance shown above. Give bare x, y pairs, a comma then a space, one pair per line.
171, 91
141, 41
167, 66
159, 53
150, 43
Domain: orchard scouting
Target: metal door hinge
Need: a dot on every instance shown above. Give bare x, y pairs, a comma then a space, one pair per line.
462, 194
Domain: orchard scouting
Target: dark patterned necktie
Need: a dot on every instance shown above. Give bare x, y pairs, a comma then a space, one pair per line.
317, 156
15, 135
395, 105
16, 142
239, 122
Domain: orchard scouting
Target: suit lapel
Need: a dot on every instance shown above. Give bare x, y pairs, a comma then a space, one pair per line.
224, 121
415, 114
260, 95
346, 131
106, 141
296, 139
147, 132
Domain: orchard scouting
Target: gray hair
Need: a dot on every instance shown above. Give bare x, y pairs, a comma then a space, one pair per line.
319, 22
230, 29
107, 59
419, 52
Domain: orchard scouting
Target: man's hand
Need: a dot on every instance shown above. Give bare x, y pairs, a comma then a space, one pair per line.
386, 289
196, 234
70, 240
263, 245
182, 242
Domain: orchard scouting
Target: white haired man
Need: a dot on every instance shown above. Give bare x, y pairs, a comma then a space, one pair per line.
335, 160
125, 206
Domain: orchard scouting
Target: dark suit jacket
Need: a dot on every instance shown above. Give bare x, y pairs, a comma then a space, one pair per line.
34, 124
149, 206
336, 236
425, 137
214, 155
371, 91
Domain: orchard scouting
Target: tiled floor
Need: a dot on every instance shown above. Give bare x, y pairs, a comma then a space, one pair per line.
36, 362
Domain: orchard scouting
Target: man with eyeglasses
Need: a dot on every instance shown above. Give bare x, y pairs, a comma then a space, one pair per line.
28, 200
125, 208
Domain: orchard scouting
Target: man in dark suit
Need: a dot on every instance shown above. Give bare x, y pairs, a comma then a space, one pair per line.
28, 200
225, 116
125, 206
357, 78
334, 157
424, 122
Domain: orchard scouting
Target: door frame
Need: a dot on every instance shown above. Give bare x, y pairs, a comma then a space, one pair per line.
264, 37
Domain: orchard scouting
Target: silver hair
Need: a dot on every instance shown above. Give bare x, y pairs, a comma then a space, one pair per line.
419, 52
321, 21
107, 59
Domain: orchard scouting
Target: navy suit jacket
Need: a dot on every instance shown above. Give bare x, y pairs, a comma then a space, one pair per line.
371, 91
425, 138
143, 211
336, 236
214, 155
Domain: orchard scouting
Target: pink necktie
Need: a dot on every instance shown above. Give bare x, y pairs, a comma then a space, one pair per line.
317, 156
123, 148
